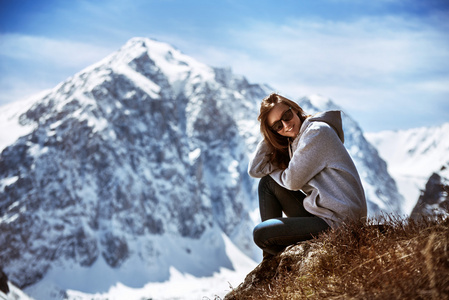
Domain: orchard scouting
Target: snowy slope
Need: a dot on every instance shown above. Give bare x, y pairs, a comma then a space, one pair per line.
412, 156
182, 286
15, 294
10, 124
134, 170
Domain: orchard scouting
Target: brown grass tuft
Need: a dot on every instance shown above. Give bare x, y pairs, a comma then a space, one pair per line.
387, 258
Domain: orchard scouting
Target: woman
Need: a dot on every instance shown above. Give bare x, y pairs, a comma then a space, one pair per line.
306, 173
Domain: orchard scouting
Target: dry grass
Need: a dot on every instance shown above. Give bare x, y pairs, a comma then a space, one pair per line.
384, 259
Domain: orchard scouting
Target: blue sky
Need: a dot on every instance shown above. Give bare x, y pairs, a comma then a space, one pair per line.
386, 62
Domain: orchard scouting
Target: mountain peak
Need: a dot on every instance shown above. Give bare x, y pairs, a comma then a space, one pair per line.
135, 47
174, 64
322, 103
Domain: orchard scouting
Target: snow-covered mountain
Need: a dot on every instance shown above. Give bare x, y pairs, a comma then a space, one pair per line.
132, 166
137, 166
413, 156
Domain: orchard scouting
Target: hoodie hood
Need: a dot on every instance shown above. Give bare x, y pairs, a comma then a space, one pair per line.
332, 117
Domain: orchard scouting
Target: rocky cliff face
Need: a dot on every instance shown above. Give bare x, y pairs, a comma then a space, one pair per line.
434, 199
135, 165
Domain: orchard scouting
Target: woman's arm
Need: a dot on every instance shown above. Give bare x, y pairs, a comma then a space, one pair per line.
318, 145
260, 166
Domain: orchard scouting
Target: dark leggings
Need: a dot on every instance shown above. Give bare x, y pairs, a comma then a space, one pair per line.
275, 232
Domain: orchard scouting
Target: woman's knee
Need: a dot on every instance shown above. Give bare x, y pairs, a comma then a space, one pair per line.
258, 235
264, 231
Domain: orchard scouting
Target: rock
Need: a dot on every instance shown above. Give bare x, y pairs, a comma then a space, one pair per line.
434, 200
300, 257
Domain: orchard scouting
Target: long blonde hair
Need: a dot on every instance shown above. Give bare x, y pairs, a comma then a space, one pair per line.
277, 142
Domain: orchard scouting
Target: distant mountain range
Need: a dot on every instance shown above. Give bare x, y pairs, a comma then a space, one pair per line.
413, 156
136, 165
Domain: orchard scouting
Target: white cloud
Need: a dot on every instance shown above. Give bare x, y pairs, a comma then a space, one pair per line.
30, 64
362, 49
61, 53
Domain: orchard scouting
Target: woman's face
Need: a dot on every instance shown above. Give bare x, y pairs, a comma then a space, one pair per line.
279, 115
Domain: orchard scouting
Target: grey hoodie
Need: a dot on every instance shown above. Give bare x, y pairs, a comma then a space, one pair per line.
321, 167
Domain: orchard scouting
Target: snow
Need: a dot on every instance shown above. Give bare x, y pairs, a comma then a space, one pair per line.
193, 155
9, 218
233, 170
7, 181
14, 294
10, 128
141, 81
176, 65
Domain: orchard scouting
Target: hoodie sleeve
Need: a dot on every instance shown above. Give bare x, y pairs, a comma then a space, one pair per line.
317, 147
260, 166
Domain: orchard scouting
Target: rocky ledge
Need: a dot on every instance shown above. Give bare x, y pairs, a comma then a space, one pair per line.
393, 259
271, 271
